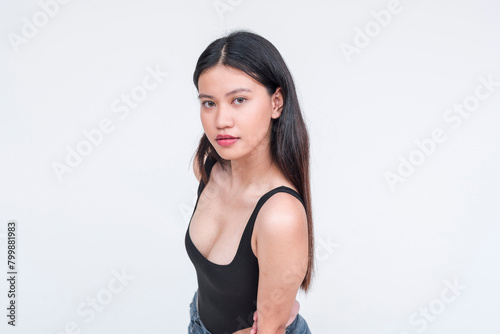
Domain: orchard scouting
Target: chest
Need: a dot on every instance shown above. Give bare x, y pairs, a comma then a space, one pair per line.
218, 223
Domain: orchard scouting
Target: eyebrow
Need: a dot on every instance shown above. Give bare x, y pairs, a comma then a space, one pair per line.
237, 90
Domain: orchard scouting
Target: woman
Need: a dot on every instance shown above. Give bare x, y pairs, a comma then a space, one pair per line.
250, 236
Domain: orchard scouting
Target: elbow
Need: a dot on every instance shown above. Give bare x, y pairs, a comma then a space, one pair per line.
281, 330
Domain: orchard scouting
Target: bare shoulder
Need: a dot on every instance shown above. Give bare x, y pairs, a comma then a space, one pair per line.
281, 244
282, 212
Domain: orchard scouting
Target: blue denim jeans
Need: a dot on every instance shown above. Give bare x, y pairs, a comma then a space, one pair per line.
298, 325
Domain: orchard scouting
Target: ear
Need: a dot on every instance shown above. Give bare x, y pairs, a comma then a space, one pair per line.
277, 103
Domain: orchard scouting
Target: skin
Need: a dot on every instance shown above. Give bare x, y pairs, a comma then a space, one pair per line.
233, 103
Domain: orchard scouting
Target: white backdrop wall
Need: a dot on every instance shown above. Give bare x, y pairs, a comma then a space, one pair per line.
99, 123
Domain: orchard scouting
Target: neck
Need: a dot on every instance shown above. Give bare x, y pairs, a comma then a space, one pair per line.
252, 171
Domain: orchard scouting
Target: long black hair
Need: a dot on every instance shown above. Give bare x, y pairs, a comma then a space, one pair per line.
289, 142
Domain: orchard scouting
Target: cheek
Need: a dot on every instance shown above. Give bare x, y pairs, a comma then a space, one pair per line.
258, 125
205, 121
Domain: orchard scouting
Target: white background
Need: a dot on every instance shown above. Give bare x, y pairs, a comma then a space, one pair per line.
383, 255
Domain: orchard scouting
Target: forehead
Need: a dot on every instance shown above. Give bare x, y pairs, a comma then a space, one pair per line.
222, 79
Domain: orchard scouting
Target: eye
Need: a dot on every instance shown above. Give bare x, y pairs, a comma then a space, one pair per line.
239, 100
208, 104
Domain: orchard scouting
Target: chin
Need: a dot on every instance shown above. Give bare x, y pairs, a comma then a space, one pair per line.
227, 155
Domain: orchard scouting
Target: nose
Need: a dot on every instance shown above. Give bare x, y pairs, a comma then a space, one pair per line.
223, 117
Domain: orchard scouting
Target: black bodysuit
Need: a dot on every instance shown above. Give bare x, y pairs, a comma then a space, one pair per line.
227, 294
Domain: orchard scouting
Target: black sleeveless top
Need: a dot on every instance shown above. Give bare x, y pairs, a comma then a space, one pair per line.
227, 294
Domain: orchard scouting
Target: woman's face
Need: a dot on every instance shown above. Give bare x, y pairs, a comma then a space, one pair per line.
235, 104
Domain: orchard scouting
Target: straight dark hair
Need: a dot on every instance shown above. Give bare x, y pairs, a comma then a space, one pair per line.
289, 142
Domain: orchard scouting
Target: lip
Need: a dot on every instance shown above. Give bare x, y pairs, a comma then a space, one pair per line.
224, 137
226, 140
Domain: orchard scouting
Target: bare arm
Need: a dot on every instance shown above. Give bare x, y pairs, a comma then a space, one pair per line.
282, 252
